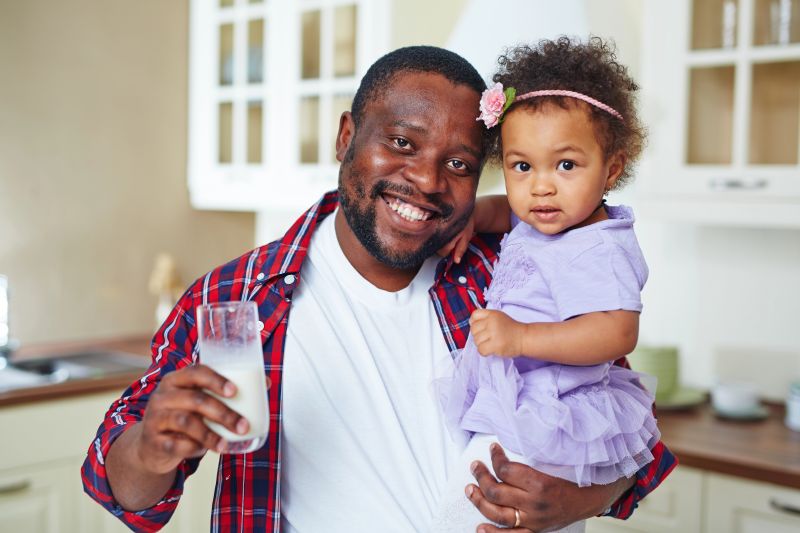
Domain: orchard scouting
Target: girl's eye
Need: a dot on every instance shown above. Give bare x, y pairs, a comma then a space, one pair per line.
522, 166
566, 165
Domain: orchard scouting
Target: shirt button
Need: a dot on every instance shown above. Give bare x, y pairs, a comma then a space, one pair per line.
462, 279
260, 325
260, 276
289, 279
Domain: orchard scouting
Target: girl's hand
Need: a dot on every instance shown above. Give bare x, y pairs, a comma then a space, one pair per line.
458, 244
496, 333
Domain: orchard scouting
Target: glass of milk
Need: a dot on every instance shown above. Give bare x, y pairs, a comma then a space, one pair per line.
230, 343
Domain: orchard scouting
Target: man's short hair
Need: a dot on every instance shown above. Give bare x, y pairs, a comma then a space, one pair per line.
414, 59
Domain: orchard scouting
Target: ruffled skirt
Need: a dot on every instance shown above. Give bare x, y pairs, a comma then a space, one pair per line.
586, 424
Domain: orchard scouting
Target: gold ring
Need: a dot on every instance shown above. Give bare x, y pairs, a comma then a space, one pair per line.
516, 515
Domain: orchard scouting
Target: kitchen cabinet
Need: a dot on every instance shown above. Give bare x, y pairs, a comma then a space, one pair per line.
268, 82
43, 448
675, 506
721, 99
37, 499
738, 505
697, 501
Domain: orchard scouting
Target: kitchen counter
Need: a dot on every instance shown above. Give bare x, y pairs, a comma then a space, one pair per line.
763, 450
136, 345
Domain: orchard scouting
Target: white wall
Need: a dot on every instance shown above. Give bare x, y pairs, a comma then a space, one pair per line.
93, 166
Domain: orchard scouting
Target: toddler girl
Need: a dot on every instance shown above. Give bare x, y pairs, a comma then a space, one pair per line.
537, 372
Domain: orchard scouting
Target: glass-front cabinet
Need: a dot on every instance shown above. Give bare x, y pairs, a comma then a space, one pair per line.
721, 97
268, 81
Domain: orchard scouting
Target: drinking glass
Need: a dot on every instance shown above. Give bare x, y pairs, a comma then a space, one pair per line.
230, 344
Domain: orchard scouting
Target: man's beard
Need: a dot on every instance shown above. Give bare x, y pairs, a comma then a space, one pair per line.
363, 225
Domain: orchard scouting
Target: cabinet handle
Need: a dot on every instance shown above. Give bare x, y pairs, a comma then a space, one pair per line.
15, 486
731, 184
784, 507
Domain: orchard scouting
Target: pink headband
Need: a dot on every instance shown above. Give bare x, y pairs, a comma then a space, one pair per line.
495, 101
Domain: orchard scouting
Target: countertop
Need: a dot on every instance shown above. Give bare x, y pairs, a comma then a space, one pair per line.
136, 345
764, 450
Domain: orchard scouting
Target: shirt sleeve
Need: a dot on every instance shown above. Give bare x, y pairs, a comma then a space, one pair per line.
647, 479
600, 276
172, 348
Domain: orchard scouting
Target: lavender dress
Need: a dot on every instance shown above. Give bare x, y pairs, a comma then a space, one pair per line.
586, 424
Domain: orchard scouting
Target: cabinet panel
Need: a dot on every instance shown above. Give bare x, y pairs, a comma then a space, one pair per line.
36, 500
748, 507
674, 507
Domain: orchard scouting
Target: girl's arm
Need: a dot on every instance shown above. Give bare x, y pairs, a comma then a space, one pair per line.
587, 339
492, 214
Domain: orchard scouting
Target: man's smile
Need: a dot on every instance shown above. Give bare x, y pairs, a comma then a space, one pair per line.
407, 210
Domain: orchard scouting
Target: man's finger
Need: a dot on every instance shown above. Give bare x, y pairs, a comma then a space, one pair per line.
499, 514
205, 405
177, 445
187, 424
494, 491
202, 377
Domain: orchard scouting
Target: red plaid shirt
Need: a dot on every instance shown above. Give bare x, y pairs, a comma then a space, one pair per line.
247, 497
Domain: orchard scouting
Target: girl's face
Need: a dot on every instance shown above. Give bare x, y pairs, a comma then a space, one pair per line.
554, 167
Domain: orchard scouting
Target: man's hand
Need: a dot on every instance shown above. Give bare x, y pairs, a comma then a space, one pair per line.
458, 244
496, 333
141, 464
545, 503
172, 428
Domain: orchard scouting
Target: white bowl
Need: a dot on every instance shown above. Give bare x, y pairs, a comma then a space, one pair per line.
735, 397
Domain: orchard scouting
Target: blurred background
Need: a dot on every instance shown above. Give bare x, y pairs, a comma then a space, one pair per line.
143, 143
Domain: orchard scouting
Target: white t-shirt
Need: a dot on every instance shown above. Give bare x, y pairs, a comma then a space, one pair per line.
364, 446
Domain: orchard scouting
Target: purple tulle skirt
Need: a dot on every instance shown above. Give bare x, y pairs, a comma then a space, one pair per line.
587, 424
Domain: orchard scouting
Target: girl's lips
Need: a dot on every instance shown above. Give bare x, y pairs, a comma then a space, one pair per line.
546, 215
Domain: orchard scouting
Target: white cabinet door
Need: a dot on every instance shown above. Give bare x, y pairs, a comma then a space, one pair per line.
674, 507
36, 500
742, 506
721, 100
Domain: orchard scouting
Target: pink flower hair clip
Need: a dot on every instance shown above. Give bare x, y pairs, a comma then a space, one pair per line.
495, 101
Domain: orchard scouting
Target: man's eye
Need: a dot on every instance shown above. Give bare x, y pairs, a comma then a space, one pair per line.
566, 165
522, 166
401, 143
458, 164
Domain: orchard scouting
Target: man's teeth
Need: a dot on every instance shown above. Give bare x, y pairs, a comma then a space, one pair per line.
408, 211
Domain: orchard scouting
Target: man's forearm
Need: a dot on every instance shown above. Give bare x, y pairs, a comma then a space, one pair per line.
134, 487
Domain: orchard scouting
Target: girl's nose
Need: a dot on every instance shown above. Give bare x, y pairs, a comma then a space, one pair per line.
542, 186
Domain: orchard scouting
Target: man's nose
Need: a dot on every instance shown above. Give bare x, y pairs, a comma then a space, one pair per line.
426, 174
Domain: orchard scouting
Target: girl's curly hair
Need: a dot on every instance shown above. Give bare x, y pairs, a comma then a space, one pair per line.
590, 68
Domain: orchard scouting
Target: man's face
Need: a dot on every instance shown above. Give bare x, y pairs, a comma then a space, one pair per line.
410, 171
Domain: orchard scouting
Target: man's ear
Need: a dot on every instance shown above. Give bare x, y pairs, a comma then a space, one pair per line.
347, 131
616, 164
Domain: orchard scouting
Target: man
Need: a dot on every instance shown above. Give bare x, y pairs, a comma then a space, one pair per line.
357, 312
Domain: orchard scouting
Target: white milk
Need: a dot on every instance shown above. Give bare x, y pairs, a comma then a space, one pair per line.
250, 400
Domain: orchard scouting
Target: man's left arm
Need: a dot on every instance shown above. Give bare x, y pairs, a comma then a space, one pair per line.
547, 503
